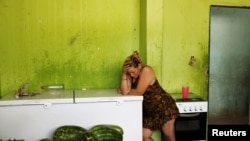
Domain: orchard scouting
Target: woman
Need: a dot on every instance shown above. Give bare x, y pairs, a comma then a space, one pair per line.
159, 108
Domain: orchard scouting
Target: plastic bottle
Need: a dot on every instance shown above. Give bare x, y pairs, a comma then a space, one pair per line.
53, 87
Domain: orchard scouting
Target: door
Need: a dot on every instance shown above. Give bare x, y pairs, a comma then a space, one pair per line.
229, 65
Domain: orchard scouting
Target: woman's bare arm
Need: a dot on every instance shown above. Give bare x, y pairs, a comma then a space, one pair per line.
125, 85
147, 77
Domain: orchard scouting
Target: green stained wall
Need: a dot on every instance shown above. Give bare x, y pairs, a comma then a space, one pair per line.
177, 30
81, 43
186, 35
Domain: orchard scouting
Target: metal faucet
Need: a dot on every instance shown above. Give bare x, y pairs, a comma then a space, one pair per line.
21, 90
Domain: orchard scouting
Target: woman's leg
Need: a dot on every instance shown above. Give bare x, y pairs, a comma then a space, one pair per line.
147, 133
168, 130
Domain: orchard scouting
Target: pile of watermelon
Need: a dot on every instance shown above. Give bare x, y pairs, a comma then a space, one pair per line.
100, 132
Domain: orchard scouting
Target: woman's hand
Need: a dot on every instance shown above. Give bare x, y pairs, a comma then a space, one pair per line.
125, 68
125, 74
125, 84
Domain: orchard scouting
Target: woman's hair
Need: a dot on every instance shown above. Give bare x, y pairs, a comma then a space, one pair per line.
133, 60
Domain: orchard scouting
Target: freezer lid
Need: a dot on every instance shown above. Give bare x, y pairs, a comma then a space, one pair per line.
43, 98
103, 95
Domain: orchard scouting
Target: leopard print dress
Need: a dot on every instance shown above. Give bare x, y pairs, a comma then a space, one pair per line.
158, 106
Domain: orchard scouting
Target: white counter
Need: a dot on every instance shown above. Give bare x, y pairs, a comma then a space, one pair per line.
34, 118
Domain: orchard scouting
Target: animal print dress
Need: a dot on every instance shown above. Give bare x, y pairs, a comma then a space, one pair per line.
158, 106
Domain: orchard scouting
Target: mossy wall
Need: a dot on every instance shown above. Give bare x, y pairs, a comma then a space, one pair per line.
185, 33
82, 43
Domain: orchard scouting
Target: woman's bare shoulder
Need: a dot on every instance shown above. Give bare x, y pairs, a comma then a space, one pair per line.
147, 68
148, 72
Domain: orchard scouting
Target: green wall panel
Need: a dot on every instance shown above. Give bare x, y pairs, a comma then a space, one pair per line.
79, 43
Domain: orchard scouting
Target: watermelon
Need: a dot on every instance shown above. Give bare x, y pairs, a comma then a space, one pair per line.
45, 139
69, 133
112, 126
107, 132
88, 136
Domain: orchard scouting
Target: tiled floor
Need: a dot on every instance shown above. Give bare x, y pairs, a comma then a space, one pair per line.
228, 120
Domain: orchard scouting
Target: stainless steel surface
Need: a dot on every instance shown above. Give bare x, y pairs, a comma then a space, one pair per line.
229, 63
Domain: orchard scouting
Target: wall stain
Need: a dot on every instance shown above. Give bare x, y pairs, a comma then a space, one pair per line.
73, 38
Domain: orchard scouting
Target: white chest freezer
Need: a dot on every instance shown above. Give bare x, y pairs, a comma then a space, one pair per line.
37, 117
106, 106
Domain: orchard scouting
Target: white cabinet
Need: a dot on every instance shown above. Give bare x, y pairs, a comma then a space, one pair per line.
34, 118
